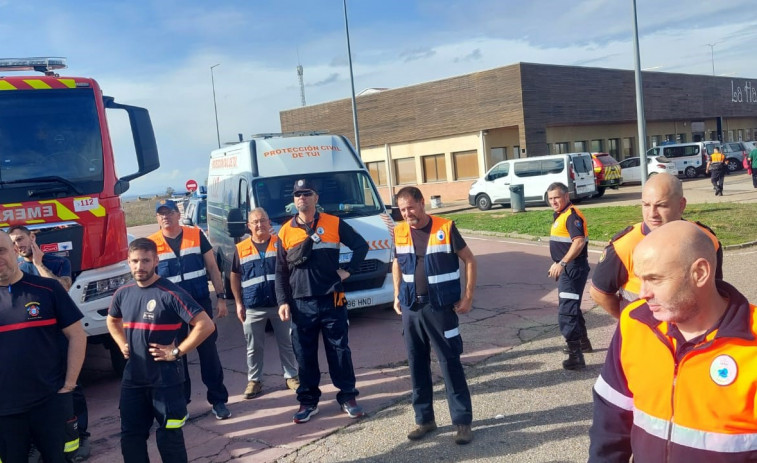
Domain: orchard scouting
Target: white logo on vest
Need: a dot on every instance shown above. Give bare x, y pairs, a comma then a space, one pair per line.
723, 370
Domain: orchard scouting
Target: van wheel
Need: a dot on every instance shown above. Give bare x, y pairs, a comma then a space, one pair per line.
600, 192
546, 199
483, 202
690, 172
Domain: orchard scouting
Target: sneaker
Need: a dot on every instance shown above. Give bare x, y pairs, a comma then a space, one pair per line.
293, 383
254, 388
352, 409
421, 430
464, 434
220, 411
304, 413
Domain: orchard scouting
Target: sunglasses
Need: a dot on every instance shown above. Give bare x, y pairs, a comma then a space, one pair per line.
297, 194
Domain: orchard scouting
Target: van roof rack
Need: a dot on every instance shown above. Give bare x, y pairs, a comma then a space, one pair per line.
290, 134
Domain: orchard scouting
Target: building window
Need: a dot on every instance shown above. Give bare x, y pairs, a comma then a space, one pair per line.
516, 152
466, 164
497, 154
377, 171
654, 140
612, 147
405, 171
579, 146
628, 148
597, 146
714, 135
561, 147
741, 134
681, 138
671, 137
434, 168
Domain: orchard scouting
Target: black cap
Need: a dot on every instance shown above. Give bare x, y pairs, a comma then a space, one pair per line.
304, 184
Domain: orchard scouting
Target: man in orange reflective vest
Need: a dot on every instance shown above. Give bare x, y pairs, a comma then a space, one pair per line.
716, 167
680, 376
253, 282
186, 259
309, 290
426, 274
570, 267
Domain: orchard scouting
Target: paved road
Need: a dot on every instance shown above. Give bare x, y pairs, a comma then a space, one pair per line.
526, 408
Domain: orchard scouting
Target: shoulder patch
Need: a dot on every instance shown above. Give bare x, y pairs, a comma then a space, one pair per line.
622, 233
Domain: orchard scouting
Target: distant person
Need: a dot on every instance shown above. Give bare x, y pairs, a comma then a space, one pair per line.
679, 381
613, 284
42, 348
570, 267
253, 282
752, 163
716, 167
426, 275
186, 258
309, 290
35, 262
145, 319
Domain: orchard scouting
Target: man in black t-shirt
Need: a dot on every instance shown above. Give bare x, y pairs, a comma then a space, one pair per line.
145, 319
426, 275
42, 346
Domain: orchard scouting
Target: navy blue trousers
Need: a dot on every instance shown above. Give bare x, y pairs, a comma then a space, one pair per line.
211, 370
140, 406
42, 425
312, 316
570, 287
426, 327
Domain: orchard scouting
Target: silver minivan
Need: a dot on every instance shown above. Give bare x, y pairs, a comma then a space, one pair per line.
535, 174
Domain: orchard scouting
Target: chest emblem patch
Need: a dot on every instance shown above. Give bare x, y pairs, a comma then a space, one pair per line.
32, 309
151, 304
440, 235
319, 230
723, 370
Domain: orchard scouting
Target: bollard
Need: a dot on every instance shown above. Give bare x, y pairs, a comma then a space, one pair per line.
517, 201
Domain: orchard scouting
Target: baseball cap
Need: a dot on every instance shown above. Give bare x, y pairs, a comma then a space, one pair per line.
304, 184
170, 204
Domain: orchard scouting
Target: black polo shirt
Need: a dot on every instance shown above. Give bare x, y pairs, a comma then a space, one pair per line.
153, 314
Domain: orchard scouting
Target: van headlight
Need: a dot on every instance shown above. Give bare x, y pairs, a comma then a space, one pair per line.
104, 288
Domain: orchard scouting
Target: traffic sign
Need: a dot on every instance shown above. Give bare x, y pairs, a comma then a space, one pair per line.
191, 185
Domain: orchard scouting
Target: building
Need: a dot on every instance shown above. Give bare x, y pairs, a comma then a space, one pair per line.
442, 135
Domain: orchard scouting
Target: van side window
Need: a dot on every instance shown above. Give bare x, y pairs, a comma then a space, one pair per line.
552, 166
499, 171
527, 168
582, 164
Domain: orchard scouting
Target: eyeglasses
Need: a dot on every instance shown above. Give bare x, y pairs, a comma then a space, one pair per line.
258, 222
308, 193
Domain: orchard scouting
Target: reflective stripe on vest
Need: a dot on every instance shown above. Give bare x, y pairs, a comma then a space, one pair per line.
188, 268
441, 264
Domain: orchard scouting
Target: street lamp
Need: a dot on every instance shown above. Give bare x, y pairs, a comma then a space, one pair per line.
215, 108
352, 80
712, 55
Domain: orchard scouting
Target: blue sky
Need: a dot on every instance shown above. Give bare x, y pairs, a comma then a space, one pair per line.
158, 53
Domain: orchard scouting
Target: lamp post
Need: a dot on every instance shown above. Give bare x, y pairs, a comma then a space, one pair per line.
352, 80
640, 119
712, 55
215, 108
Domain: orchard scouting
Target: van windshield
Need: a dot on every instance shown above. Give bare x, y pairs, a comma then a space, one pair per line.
344, 194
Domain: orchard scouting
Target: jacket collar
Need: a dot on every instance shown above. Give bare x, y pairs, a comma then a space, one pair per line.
735, 323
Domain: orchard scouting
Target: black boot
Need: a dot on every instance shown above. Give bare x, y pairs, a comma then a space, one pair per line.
575, 359
585, 346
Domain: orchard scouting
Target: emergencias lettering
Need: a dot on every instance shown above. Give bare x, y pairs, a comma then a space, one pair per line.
26, 213
222, 163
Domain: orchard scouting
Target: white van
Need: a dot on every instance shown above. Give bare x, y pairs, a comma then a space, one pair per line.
689, 158
261, 173
575, 170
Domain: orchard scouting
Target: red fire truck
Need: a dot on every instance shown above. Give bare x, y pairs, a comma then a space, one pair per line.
58, 177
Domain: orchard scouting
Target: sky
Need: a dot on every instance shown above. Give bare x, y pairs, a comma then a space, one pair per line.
158, 54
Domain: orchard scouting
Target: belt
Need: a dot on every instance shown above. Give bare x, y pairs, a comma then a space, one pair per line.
422, 299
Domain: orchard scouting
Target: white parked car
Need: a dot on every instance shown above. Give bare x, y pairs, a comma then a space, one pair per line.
655, 164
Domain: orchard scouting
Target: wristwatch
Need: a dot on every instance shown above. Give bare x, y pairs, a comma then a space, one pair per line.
563, 264
176, 352
221, 295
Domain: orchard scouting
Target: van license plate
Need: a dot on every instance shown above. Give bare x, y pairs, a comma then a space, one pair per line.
359, 302
345, 258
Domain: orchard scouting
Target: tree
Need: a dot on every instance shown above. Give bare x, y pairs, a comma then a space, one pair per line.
169, 191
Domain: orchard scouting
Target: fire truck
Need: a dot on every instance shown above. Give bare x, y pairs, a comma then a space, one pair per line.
58, 178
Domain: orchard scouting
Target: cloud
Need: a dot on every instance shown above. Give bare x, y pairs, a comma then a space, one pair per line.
328, 80
417, 54
472, 56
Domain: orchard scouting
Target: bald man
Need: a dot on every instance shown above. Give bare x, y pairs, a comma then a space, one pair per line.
613, 284
679, 379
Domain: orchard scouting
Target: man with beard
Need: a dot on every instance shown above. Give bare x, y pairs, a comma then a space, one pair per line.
36, 262
309, 290
679, 379
145, 320
426, 275
186, 258
42, 346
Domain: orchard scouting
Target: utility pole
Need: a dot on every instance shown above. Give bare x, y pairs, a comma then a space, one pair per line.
640, 119
352, 80
712, 55
215, 108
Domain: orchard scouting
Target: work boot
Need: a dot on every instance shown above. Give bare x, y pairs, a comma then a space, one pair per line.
421, 430
575, 360
585, 346
464, 434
